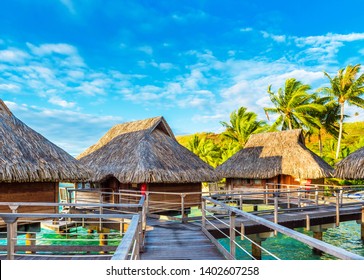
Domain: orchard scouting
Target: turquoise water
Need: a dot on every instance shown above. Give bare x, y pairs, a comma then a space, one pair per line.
346, 236
77, 236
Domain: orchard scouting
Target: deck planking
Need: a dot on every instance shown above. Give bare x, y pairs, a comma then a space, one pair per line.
170, 240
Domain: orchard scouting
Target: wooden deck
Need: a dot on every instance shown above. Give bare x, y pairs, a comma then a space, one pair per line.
170, 240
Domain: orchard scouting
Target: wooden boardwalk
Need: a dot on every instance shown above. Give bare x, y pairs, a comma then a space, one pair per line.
171, 240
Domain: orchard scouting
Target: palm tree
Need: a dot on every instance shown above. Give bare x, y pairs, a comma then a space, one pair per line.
242, 125
205, 149
328, 119
294, 106
346, 87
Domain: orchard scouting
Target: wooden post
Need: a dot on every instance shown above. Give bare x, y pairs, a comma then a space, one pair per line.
299, 199
203, 212
256, 250
10, 240
122, 226
275, 210
147, 203
362, 223
232, 235
337, 208
317, 235
103, 241
266, 194
183, 214
289, 200
30, 241
317, 197
101, 212
308, 222
242, 231
255, 208
241, 202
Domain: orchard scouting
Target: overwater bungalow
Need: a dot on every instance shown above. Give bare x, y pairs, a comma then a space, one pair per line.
351, 167
144, 156
274, 157
32, 166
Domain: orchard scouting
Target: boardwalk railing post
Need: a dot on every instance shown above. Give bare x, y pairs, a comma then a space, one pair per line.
183, 215
316, 197
146, 203
242, 231
232, 234
203, 212
299, 198
10, 240
337, 207
308, 222
362, 223
266, 194
289, 199
275, 210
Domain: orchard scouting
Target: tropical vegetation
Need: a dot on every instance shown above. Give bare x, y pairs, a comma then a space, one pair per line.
320, 114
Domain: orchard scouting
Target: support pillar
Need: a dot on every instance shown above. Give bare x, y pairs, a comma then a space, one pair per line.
30, 241
103, 241
256, 249
317, 235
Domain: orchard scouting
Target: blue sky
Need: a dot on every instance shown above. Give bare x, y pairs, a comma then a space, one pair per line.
71, 69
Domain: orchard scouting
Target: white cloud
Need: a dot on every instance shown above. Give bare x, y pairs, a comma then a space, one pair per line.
13, 55
277, 38
146, 49
246, 29
9, 87
48, 49
60, 102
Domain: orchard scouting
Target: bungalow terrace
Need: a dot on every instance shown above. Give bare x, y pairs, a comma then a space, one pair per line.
32, 166
274, 157
351, 167
144, 156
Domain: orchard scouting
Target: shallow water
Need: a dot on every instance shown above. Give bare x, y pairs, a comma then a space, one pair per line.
346, 236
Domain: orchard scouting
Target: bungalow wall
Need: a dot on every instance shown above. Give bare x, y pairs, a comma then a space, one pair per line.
164, 195
29, 192
238, 183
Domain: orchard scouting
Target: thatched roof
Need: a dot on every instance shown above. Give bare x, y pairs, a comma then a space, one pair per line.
26, 156
351, 167
269, 154
145, 152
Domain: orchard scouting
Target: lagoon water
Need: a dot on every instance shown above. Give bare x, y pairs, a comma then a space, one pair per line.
346, 236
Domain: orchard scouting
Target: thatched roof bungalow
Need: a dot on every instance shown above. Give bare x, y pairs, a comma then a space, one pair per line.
274, 157
145, 156
351, 167
32, 166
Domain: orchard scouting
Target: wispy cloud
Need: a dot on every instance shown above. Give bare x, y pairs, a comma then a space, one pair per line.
13, 55
69, 5
61, 102
66, 128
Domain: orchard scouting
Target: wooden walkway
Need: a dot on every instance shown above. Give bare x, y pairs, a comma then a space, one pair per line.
171, 240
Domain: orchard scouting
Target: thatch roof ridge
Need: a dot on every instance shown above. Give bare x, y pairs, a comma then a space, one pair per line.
147, 156
351, 167
269, 154
27, 156
146, 125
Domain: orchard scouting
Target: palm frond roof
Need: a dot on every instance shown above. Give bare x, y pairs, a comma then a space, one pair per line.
145, 151
269, 154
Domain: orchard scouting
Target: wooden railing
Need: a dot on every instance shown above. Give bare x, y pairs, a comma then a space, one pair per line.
233, 213
122, 216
